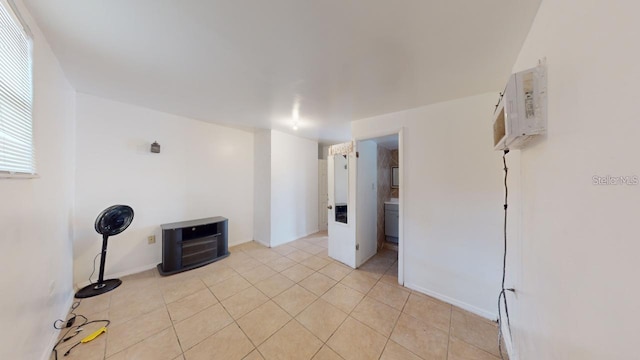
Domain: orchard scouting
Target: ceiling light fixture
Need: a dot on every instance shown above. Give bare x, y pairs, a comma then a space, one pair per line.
295, 114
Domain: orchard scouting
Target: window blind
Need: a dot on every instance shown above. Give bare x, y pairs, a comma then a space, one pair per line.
16, 125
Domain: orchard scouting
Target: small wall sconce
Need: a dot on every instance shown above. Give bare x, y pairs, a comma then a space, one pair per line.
155, 148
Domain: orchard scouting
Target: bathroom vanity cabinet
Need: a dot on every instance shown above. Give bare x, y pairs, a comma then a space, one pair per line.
391, 217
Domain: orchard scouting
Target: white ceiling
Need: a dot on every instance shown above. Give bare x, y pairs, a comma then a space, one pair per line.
246, 63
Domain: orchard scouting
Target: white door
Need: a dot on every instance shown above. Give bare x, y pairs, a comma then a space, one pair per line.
323, 195
367, 201
341, 176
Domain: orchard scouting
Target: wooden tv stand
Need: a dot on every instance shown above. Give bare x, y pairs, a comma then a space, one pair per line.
187, 245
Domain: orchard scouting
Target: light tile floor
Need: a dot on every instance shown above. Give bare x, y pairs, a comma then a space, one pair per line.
288, 302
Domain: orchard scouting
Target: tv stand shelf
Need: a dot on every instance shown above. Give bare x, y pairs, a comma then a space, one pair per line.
187, 245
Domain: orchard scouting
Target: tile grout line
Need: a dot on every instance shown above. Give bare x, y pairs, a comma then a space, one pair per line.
270, 299
175, 333
218, 302
394, 324
293, 318
134, 318
388, 338
318, 297
450, 334
404, 305
235, 321
255, 347
173, 325
106, 342
350, 312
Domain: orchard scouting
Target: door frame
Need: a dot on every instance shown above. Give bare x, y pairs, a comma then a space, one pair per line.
400, 132
322, 203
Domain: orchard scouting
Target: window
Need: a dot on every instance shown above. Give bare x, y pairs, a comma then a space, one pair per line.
16, 125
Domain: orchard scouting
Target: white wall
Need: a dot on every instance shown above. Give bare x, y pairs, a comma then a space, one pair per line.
294, 187
36, 217
452, 199
323, 194
577, 279
323, 151
262, 187
367, 201
203, 170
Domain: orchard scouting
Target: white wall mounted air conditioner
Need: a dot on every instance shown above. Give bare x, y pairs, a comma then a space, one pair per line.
521, 113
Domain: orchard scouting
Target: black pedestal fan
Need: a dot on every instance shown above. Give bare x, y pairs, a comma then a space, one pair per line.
112, 221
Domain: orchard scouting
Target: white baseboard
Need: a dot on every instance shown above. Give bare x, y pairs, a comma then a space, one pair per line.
121, 274
508, 344
134, 270
317, 230
297, 238
480, 312
54, 338
262, 243
241, 242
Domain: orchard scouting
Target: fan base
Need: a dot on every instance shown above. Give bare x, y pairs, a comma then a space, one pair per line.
98, 288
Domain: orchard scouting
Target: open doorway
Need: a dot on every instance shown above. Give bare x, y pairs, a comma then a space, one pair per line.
388, 192
388, 209
369, 237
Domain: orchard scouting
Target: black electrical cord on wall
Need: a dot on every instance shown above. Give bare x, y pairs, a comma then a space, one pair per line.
94, 267
502, 298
